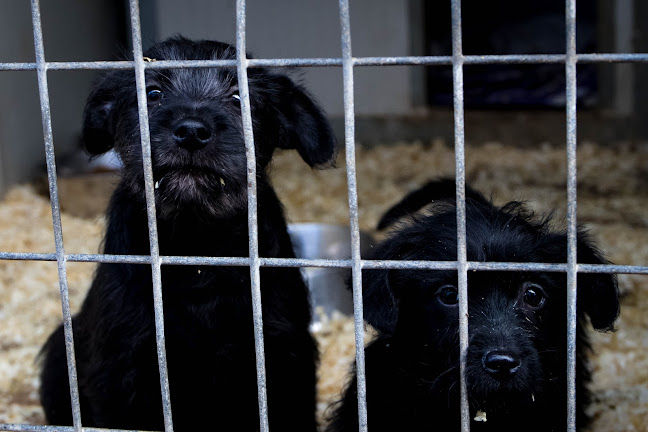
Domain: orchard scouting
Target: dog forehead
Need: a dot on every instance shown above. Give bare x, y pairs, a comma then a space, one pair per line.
179, 48
200, 81
197, 81
487, 239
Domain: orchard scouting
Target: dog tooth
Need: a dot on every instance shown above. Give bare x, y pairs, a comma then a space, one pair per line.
222, 182
157, 184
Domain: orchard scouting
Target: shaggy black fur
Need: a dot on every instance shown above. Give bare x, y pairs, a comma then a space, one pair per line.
199, 167
516, 360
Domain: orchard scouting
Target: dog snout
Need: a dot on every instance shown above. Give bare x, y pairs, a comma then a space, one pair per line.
501, 363
192, 134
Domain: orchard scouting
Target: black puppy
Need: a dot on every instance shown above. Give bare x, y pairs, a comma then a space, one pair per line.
516, 360
199, 167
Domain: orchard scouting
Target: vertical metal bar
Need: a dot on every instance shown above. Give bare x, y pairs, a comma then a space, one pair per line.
255, 277
41, 70
356, 269
462, 266
572, 266
140, 83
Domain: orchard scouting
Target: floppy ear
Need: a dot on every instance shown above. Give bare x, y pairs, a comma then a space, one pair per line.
303, 125
98, 128
380, 305
598, 293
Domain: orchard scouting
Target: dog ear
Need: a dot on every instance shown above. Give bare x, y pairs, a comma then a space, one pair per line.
303, 125
380, 305
98, 130
598, 293
380, 297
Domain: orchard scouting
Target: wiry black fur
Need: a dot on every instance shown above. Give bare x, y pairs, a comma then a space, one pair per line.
201, 202
413, 366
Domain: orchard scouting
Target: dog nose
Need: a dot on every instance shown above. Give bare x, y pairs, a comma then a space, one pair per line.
191, 134
500, 363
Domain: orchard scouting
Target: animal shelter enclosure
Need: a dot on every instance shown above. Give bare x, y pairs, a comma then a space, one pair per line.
600, 186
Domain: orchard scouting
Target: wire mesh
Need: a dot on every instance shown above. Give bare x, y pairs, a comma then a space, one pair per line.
355, 263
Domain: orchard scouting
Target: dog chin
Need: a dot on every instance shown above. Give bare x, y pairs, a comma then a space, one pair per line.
494, 395
206, 194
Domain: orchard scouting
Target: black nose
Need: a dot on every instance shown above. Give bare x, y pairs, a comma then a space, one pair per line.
191, 134
500, 363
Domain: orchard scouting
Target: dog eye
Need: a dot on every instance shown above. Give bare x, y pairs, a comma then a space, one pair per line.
534, 295
448, 295
153, 94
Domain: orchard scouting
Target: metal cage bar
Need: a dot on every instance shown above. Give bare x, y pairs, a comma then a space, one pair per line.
48, 139
352, 190
337, 62
460, 180
325, 263
572, 266
156, 271
356, 263
253, 229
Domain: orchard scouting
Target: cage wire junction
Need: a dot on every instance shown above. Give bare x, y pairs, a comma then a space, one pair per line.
355, 263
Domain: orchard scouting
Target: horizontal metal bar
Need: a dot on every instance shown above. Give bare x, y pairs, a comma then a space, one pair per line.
612, 58
27, 256
329, 62
41, 428
325, 263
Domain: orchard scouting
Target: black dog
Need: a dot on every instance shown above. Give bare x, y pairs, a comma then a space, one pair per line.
199, 167
516, 360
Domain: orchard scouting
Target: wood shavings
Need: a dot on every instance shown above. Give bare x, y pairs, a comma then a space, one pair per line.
612, 202
30, 305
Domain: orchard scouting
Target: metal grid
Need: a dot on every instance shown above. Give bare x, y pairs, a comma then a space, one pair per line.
356, 264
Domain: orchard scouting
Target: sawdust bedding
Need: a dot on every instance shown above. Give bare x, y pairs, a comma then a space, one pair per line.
612, 201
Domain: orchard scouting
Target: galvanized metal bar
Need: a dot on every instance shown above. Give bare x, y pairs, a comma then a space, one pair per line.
325, 263
352, 189
40, 428
253, 229
156, 274
43, 93
27, 256
460, 170
336, 62
572, 265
